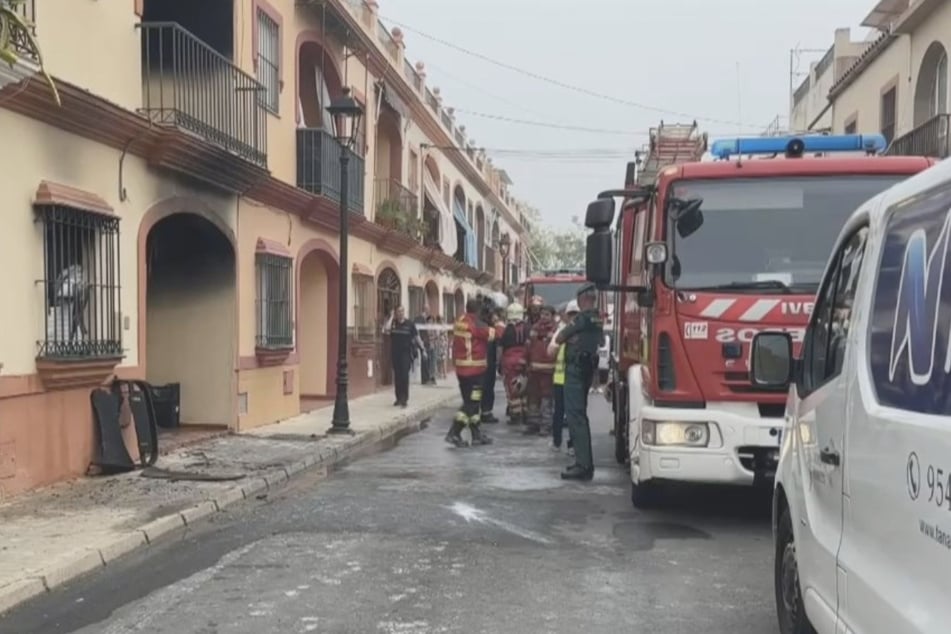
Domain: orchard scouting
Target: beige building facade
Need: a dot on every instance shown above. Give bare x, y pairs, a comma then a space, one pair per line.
175, 217
898, 82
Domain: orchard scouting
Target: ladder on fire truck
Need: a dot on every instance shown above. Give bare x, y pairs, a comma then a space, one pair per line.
671, 144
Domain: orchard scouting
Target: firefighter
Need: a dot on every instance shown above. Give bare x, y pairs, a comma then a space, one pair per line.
487, 406
514, 345
541, 369
470, 340
535, 308
582, 337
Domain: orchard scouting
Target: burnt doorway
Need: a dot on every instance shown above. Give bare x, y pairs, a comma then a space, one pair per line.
389, 294
190, 316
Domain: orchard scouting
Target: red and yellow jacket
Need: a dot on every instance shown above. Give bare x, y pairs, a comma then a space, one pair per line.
470, 339
538, 358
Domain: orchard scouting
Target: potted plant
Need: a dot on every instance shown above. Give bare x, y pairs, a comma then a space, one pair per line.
18, 45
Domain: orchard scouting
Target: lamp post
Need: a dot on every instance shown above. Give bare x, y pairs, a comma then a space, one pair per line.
346, 113
505, 245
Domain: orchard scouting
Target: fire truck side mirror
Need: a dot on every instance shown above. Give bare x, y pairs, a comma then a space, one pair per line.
599, 257
771, 360
600, 214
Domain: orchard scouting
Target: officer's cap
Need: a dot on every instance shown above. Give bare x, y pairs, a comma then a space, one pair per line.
587, 288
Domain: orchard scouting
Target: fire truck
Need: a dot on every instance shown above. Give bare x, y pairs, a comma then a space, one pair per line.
703, 255
556, 287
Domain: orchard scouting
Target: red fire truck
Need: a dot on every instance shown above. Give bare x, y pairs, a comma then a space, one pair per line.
702, 256
557, 287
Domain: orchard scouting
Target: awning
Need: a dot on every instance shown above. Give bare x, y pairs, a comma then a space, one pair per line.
393, 99
471, 252
447, 226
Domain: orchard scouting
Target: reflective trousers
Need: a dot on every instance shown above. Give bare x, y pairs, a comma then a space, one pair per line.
540, 393
471, 389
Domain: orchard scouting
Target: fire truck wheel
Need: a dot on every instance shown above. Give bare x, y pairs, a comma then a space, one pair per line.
789, 605
645, 495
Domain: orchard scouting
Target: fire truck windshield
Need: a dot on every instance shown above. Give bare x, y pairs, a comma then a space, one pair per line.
766, 233
557, 294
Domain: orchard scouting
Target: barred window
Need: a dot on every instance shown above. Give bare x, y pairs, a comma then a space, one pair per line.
363, 307
417, 299
81, 284
448, 308
274, 306
268, 61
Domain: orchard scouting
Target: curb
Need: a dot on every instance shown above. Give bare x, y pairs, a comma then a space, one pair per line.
89, 559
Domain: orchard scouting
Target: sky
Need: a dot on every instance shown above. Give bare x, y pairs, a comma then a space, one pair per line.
725, 63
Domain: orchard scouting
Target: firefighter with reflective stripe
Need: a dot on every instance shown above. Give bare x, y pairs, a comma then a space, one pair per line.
535, 305
514, 344
541, 369
470, 340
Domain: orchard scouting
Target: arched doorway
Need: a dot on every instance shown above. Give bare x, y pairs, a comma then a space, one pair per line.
460, 302
931, 90
389, 295
317, 321
191, 324
389, 150
318, 81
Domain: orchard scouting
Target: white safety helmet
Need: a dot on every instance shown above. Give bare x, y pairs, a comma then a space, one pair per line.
501, 300
515, 312
572, 307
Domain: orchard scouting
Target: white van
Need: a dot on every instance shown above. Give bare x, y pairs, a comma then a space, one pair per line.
862, 503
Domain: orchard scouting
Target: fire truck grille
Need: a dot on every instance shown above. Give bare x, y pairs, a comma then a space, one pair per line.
666, 379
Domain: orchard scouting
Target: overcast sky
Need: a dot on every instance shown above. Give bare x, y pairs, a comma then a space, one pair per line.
723, 62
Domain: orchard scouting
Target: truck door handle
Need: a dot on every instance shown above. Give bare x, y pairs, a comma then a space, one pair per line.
830, 456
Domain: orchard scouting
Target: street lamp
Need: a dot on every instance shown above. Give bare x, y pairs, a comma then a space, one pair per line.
505, 245
346, 113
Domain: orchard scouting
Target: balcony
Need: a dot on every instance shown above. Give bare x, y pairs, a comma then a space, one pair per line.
189, 85
318, 168
929, 139
396, 209
19, 40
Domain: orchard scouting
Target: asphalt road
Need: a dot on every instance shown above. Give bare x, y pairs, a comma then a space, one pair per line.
425, 538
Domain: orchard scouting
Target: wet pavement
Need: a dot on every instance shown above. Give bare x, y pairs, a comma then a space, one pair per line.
424, 538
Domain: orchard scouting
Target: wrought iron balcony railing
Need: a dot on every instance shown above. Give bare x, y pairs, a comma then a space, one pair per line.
931, 139
188, 84
392, 191
19, 40
318, 168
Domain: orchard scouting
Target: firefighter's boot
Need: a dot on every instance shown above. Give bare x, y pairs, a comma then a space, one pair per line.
454, 437
479, 437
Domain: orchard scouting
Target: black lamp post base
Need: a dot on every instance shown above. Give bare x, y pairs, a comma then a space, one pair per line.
340, 431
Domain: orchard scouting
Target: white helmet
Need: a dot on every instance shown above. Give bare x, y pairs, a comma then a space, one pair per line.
501, 300
573, 307
515, 312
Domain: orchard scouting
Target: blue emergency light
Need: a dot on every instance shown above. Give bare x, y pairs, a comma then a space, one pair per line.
798, 145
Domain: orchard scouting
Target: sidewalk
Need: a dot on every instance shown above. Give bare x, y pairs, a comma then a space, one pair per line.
54, 535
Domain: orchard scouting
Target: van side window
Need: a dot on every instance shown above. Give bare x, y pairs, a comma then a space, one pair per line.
824, 345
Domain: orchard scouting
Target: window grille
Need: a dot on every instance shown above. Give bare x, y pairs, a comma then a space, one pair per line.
81, 284
364, 326
268, 62
275, 317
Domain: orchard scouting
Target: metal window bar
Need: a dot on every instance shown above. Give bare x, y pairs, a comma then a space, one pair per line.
932, 138
188, 84
18, 40
81, 289
273, 298
268, 71
362, 309
318, 168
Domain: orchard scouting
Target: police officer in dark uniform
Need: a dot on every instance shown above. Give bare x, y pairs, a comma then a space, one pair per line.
582, 338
